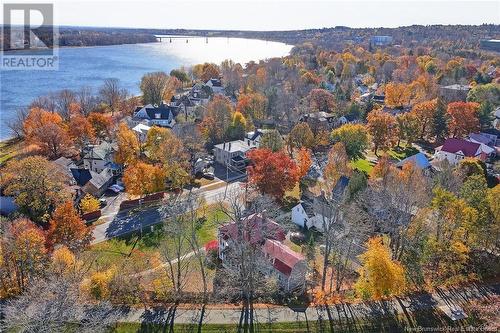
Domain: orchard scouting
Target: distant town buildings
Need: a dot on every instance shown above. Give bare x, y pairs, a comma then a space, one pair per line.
381, 40
490, 44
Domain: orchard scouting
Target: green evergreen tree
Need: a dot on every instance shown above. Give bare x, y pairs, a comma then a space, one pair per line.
440, 121
485, 114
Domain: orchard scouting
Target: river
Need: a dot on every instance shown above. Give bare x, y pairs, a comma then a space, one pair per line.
90, 66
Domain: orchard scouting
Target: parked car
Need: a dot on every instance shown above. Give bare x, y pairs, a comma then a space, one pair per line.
116, 188
209, 175
103, 202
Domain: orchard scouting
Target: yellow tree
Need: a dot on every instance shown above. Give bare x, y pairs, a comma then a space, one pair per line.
97, 286
397, 94
252, 105
379, 276
22, 256
128, 145
89, 203
142, 178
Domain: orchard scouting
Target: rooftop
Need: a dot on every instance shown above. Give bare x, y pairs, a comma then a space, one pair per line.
234, 146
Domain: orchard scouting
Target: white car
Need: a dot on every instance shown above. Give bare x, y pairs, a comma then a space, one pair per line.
116, 188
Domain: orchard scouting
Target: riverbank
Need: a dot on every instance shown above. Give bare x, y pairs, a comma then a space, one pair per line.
10, 148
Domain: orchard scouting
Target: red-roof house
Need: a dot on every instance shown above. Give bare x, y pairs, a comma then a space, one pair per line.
454, 150
289, 266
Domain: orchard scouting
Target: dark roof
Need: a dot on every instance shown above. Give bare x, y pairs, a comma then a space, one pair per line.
339, 188
454, 145
81, 176
164, 111
216, 82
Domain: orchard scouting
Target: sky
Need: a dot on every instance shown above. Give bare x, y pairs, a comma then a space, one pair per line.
271, 14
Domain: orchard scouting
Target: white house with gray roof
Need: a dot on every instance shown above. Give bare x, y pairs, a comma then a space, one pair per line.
232, 153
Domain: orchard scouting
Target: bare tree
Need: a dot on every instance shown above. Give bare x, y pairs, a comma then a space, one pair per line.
47, 102
112, 94
87, 101
55, 304
392, 201
63, 101
242, 276
16, 124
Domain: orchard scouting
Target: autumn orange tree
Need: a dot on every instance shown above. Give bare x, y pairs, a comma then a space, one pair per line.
167, 151
22, 255
206, 71
252, 105
304, 161
101, 124
425, 112
383, 129
47, 131
272, 173
463, 118
81, 131
217, 119
322, 101
141, 178
379, 276
37, 186
397, 95
128, 145
68, 229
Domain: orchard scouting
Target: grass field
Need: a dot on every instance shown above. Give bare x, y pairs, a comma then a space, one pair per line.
362, 165
400, 153
9, 149
117, 250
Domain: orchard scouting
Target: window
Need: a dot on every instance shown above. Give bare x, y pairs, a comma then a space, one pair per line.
157, 115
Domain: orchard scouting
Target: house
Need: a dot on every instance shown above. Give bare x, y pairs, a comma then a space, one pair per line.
485, 138
141, 131
253, 138
311, 212
99, 157
288, 266
496, 121
319, 121
216, 86
378, 99
419, 160
162, 115
187, 105
92, 182
454, 150
381, 40
454, 93
232, 154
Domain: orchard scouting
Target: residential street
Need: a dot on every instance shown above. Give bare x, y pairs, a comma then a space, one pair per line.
348, 313
121, 223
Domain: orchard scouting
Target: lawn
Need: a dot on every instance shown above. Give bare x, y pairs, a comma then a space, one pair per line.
132, 246
362, 165
400, 153
9, 149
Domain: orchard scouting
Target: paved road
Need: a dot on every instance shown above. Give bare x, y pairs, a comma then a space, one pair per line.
350, 313
121, 223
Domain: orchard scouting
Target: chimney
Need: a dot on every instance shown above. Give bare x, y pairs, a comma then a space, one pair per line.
229, 148
224, 145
